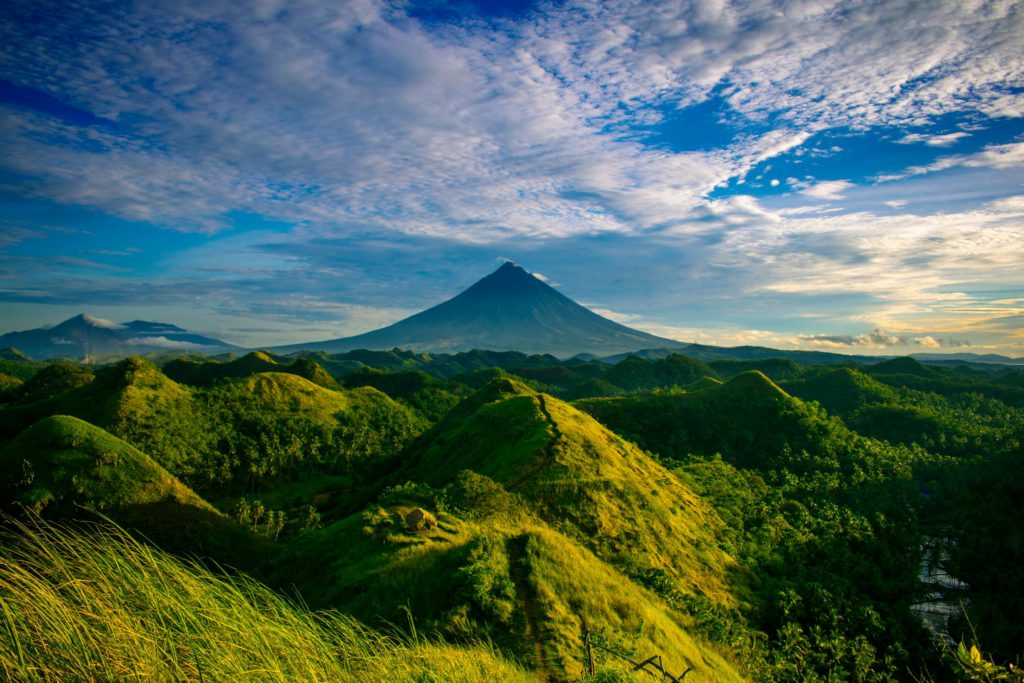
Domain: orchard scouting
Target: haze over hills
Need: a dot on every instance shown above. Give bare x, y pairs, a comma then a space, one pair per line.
509, 310
86, 335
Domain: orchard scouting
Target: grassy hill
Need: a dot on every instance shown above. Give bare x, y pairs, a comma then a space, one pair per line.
64, 467
100, 606
50, 381
204, 373
502, 575
840, 391
541, 516
594, 485
61, 462
749, 420
237, 432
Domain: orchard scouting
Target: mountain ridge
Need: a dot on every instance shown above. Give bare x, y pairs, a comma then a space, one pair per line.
85, 335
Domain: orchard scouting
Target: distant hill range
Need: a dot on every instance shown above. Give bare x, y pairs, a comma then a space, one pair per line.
86, 336
705, 352
509, 310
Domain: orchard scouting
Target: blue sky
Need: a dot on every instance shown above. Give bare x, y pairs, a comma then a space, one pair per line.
822, 175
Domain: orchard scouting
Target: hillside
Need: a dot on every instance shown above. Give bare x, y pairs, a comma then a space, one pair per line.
94, 604
749, 420
503, 575
840, 391
579, 475
204, 373
757, 536
63, 468
61, 462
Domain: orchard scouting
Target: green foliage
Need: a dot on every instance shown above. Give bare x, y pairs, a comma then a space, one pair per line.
637, 374
63, 462
50, 381
206, 373
971, 665
755, 523
237, 433
422, 392
578, 476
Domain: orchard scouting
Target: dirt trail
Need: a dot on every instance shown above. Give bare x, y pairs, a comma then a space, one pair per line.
529, 605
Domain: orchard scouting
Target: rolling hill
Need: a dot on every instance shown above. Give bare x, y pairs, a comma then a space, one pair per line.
550, 522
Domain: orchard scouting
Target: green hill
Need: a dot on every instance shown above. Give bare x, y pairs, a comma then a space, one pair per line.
841, 390
62, 461
703, 383
749, 420
62, 467
239, 431
595, 486
904, 365
204, 373
504, 577
50, 381
131, 399
544, 515
638, 374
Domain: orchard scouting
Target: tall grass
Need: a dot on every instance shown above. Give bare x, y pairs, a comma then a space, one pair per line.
94, 604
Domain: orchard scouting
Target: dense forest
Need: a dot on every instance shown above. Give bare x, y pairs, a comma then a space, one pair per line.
499, 516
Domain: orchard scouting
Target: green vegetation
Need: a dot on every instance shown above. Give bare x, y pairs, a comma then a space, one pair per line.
204, 373
759, 519
64, 462
95, 605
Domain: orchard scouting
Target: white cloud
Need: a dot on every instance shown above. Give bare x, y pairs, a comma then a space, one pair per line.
946, 140
350, 114
1010, 155
827, 189
165, 343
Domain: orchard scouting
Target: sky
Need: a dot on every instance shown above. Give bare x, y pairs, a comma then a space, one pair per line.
828, 175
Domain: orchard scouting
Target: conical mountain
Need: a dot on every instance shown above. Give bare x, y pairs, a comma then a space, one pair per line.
509, 310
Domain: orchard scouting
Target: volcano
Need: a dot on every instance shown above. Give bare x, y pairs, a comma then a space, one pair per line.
509, 310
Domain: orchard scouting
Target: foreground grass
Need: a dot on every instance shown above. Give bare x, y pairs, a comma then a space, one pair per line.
94, 604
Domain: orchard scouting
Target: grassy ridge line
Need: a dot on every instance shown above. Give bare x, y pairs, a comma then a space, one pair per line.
102, 606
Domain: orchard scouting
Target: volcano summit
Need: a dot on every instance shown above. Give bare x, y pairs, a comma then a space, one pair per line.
509, 310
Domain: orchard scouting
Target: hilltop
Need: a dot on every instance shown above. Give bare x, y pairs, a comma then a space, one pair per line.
545, 512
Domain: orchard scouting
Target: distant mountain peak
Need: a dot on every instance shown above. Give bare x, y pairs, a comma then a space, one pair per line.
93, 321
507, 310
86, 335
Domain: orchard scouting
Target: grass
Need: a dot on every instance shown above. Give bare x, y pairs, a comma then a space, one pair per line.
562, 514
101, 606
511, 577
63, 461
580, 477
